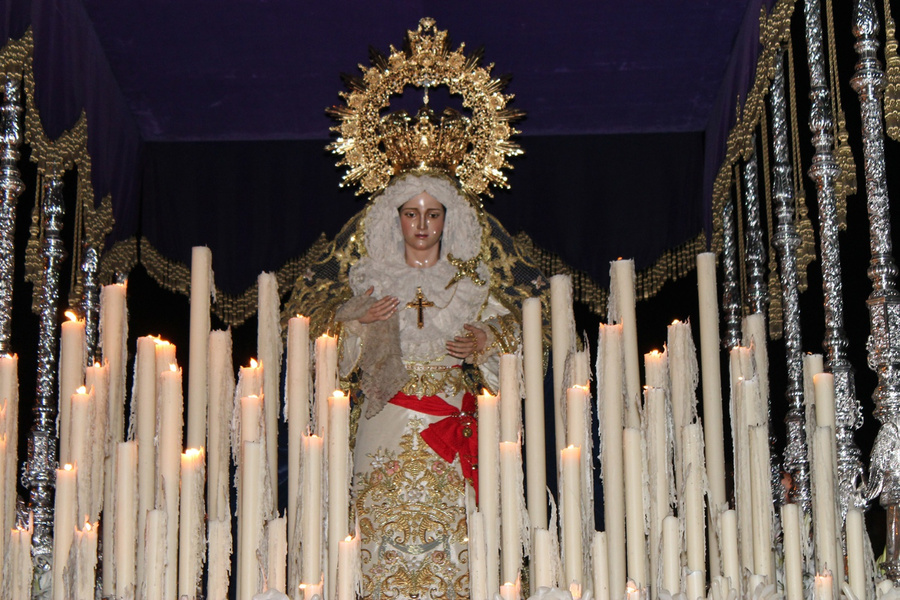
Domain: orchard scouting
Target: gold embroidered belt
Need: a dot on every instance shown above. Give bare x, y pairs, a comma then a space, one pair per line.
433, 380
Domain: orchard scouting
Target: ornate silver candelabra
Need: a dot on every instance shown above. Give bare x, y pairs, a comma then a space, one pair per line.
824, 171
10, 187
884, 302
90, 300
754, 248
786, 240
40, 473
731, 291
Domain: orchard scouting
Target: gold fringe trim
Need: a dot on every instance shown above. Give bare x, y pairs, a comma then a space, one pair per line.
672, 265
232, 309
235, 309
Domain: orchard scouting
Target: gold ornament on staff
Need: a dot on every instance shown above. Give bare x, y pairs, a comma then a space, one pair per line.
472, 149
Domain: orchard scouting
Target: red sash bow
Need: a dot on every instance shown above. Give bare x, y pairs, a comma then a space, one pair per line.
456, 434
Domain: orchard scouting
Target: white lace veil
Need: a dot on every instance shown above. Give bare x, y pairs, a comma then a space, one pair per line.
383, 237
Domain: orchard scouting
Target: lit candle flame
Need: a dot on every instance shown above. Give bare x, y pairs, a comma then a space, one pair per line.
158, 340
193, 452
338, 394
81, 390
172, 367
96, 365
676, 322
68, 467
71, 315
253, 363
349, 538
654, 353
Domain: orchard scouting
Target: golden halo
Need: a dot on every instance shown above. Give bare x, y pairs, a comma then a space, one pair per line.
425, 61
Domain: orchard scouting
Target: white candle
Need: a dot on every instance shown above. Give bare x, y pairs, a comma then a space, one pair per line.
169, 436
535, 448
348, 568
9, 419
251, 419
671, 555
824, 393
71, 377
96, 380
510, 398
658, 463
656, 369
63, 525
19, 560
338, 438
543, 562
793, 557
308, 591
165, 355
731, 565
80, 451
683, 376
153, 586
761, 499
326, 378
113, 343
489, 484
477, 566
694, 523
143, 431
276, 541
126, 519
856, 555
755, 338
577, 416
311, 517
612, 404
85, 541
250, 519
270, 348
696, 585
824, 589
510, 472
621, 285
825, 514
712, 383
573, 567
190, 530
218, 573
562, 328
198, 348
296, 413
600, 564
634, 507
221, 400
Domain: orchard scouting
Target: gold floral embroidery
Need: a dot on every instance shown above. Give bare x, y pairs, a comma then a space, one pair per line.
412, 519
432, 380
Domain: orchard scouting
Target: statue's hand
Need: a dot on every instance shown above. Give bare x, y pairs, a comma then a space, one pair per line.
382, 310
470, 344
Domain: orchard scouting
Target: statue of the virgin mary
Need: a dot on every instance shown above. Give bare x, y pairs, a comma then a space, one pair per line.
424, 290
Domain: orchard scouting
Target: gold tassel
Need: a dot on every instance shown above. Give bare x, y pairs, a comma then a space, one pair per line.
806, 252
845, 183
774, 284
892, 76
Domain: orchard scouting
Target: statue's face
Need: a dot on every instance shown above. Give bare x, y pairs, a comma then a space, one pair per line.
422, 222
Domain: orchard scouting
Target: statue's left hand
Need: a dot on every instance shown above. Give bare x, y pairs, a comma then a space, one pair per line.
465, 346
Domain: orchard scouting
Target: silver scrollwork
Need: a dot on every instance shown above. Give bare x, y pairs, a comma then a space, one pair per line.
10, 187
824, 171
754, 248
731, 291
90, 300
40, 473
786, 240
884, 302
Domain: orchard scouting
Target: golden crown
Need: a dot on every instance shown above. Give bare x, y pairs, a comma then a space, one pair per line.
473, 149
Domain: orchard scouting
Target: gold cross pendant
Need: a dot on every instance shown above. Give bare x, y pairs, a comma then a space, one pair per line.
420, 304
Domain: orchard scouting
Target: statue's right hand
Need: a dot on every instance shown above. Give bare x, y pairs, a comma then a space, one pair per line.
382, 310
